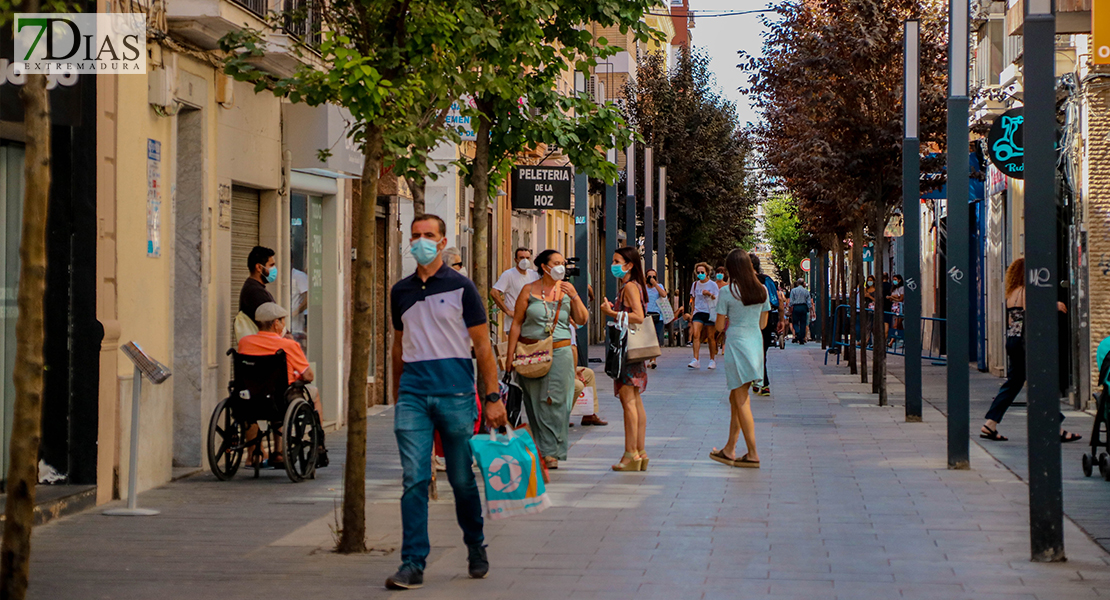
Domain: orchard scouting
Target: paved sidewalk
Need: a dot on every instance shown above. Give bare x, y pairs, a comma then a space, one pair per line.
851, 503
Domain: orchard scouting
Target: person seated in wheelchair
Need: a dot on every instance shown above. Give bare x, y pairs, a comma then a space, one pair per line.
271, 318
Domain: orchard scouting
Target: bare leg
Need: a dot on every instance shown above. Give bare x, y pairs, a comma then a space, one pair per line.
743, 408
695, 331
641, 422
733, 428
631, 420
712, 343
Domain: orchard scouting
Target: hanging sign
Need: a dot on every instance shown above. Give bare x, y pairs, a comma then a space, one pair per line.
1100, 33
1004, 143
540, 187
868, 254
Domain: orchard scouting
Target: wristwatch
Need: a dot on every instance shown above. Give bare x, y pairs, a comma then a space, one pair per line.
493, 397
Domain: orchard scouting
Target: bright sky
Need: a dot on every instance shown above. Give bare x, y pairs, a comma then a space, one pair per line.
722, 37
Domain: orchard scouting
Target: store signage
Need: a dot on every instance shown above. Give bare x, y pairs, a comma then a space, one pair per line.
461, 124
1100, 33
1005, 145
55, 43
868, 254
541, 187
996, 181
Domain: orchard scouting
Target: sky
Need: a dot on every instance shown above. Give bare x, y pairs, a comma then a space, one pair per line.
722, 37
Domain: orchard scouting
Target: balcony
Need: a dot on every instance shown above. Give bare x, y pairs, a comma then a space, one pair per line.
1072, 16
303, 19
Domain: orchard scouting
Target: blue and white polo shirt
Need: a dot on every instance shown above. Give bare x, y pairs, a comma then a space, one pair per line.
434, 316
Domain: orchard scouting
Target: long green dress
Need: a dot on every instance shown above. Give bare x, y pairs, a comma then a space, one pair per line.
548, 400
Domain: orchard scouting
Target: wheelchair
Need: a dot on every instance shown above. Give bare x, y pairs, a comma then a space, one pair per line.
260, 393
1100, 434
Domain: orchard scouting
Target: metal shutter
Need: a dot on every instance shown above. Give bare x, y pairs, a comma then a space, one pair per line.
244, 237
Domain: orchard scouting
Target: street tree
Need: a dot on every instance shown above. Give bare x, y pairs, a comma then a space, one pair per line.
394, 64
829, 86
694, 132
783, 230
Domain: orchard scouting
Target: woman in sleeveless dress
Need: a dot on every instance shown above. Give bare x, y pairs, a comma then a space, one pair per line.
546, 307
631, 299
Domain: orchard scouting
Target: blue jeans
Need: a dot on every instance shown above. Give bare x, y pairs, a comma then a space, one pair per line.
416, 418
658, 327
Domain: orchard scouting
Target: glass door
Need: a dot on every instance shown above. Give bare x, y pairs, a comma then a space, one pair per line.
11, 209
306, 265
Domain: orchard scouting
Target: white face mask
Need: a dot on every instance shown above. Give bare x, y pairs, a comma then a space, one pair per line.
524, 264
558, 273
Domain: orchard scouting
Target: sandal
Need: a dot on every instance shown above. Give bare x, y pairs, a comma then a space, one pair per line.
1066, 437
992, 434
720, 457
746, 462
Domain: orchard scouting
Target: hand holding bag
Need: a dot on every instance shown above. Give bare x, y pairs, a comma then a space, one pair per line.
532, 358
511, 469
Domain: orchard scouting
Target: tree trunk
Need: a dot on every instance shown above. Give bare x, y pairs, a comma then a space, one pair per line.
853, 314
352, 538
859, 285
878, 380
479, 180
26, 433
418, 186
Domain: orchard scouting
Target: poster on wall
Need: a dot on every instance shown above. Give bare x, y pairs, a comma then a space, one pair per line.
153, 198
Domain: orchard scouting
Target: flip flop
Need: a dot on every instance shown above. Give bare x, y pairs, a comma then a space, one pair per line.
992, 434
720, 457
744, 462
1066, 437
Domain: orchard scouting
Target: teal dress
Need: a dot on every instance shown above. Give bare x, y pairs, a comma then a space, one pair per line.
743, 352
548, 400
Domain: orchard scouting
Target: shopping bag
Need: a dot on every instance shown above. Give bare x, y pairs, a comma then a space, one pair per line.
243, 326
513, 397
583, 403
511, 470
642, 342
666, 312
616, 346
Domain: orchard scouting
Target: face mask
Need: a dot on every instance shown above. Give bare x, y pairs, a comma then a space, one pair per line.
617, 271
701, 276
720, 276
271, 275
558, 273
524, 264
425, 251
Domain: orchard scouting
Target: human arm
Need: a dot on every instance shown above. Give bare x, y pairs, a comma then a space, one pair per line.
520, 311
578, 312
636, 304
763, 318
662, 290
494, 410
499, 299
396, 356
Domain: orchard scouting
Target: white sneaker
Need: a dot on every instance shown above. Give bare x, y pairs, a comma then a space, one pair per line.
712, 364
694, 364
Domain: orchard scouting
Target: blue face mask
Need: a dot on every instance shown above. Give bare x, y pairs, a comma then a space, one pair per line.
617, 271
720, 277
701, 276
424, 251
271, 275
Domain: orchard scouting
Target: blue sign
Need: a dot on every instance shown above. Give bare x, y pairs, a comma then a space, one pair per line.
868, 254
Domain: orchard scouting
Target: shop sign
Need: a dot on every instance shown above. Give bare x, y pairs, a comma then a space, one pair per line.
541, 187
868, 254
1005, 145
93, 43
1100, 33
462, 124
996, 181
153, 198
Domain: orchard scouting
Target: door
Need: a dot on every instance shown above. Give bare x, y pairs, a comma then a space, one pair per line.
244, 237
306, 264
11, 211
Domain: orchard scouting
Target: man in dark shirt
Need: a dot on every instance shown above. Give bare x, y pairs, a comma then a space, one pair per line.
263, 270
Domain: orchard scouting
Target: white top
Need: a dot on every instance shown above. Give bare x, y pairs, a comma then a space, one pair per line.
510, 283
703, 303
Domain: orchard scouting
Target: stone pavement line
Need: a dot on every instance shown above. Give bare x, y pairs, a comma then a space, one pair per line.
851, 503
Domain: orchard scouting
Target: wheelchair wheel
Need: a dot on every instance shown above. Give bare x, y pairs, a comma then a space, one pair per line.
225, 442
300, 440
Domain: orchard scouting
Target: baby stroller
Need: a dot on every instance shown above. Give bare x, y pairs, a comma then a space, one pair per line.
1100, 434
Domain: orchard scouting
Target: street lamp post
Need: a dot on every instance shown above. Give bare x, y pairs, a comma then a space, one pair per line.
957, 248
1046, 504
582, 252
662, 244
911, 218
649, 239
611, 228
630, 198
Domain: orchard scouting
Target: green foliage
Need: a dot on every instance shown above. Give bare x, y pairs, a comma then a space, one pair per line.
783, 231
694, 132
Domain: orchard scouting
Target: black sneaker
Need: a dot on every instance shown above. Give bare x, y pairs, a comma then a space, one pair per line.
478, 562
322, 459
408, 577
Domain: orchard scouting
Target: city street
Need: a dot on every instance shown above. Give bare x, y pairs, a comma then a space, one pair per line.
851, 502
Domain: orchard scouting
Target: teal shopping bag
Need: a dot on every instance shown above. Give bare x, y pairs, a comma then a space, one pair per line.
511, 469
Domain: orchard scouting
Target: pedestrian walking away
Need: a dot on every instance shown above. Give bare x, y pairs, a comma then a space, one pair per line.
545, 308
655, 293
1015, 352
763, 388
742, 313
703, 298
505, 291
629, 386
438, 319
799, 310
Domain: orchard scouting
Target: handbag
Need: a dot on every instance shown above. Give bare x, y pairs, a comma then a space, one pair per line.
642, 343
533, 359
616, 346
666, 313
512, 472
243, 326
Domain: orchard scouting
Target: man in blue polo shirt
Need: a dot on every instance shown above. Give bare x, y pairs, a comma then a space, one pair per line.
438, 317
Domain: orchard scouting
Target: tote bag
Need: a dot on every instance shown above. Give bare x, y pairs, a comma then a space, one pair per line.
616, 346
666, 312
642, 343
511, 470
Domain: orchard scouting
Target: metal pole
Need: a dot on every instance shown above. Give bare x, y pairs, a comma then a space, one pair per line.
132, 509
649, 233
1046, 514
662, 234
957, 249
611, 227
582, 252
911, 221
630, 198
